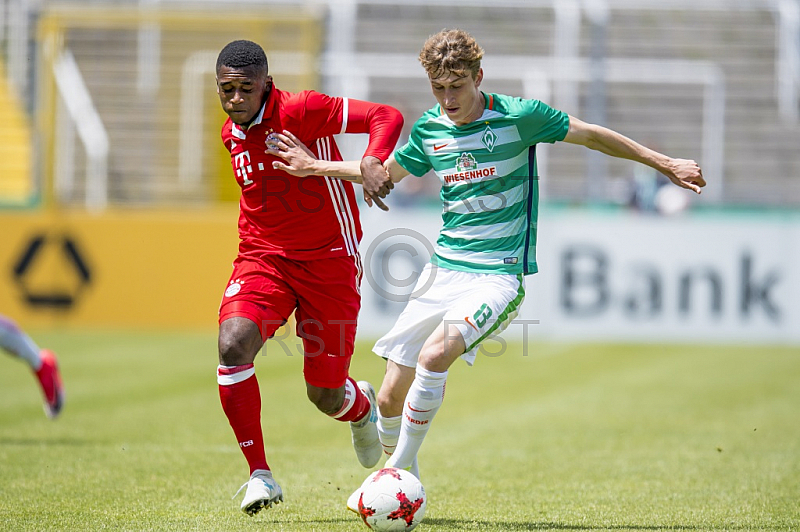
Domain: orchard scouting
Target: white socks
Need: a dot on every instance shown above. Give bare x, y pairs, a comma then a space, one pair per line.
422, 402
16, 342
389, 432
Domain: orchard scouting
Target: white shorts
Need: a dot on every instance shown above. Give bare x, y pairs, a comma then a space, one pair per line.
480, 305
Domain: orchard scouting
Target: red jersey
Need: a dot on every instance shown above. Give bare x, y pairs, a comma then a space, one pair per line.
311, 217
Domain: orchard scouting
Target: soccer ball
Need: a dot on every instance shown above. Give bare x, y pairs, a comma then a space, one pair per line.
392, 499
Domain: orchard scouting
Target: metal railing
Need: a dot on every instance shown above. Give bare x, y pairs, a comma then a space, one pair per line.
347, 71
81, 115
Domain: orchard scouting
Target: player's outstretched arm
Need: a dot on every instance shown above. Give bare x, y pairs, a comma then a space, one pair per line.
301, 162
685, 173
394, 170
384, 124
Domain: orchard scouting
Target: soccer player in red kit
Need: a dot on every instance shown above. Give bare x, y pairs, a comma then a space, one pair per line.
298, 252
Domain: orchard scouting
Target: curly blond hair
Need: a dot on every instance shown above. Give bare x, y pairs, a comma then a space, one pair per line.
454, 51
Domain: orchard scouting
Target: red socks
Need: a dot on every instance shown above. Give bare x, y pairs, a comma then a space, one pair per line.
356, 404
241, 401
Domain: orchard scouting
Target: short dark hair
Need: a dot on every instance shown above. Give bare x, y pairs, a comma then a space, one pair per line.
242, 54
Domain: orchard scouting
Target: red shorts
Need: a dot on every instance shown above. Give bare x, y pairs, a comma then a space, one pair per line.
325, 296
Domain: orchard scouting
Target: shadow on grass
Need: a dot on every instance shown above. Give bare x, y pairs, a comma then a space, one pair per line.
464, 524
293, 520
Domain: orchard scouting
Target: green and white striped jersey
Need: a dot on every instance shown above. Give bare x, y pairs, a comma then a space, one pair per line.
490, 188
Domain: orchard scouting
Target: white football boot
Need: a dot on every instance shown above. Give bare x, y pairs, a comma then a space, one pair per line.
262, 492
365, 432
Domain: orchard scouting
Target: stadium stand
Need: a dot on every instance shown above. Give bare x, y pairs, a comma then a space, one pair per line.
760, 162
16, 185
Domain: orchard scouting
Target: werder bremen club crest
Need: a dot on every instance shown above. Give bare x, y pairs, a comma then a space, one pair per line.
489, 138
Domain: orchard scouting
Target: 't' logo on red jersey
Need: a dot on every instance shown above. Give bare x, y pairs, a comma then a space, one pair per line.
241, 162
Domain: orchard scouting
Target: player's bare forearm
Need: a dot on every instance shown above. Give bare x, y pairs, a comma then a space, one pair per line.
300, 161
395, 171
612, 143
347, 170
685, 173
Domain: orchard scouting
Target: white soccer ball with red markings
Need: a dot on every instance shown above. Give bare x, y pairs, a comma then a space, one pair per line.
391, 500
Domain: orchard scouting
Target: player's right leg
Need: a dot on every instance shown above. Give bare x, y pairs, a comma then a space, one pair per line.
239, 342
392, 395
255, 304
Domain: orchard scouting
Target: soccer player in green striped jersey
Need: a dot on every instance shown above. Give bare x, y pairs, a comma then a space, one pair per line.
482, 148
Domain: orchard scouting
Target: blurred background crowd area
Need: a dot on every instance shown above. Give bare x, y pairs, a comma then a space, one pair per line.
113, 103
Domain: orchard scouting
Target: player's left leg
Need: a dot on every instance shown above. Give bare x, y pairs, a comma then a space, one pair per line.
327, 311
401, 347
42, 362
351, 401
481, 305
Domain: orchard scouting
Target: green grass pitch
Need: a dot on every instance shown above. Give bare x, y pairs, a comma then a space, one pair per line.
550, 437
